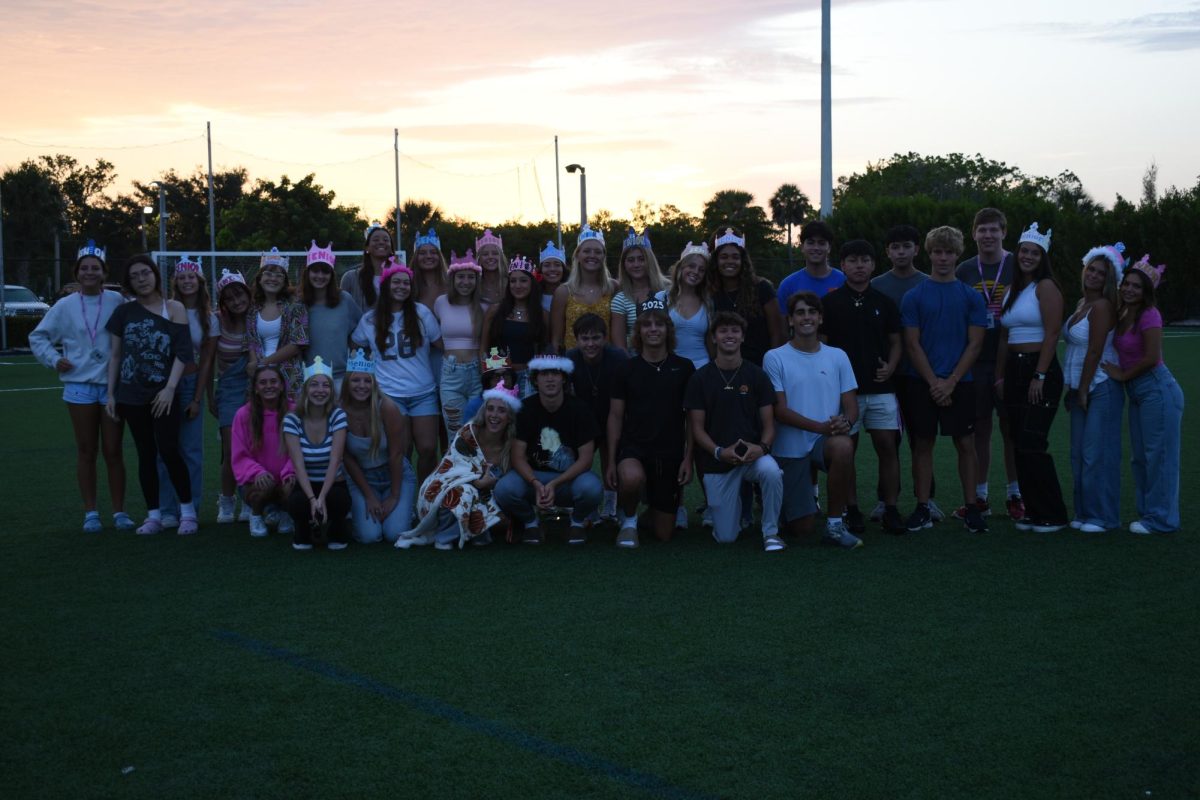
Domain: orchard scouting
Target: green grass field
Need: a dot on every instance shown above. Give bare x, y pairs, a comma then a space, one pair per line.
942, 664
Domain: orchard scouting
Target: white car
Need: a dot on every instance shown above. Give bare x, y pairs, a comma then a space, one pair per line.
22, 302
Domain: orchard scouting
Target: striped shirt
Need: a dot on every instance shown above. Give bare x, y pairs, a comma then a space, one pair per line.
316, 454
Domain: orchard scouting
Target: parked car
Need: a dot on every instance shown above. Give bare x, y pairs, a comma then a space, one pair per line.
71, 288
22, 302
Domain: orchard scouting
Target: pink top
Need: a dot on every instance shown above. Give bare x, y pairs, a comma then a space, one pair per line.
1129, 345
457, 331
270, 457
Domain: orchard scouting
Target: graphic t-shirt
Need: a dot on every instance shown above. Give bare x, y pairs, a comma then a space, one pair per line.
732, 402
990, 282
403, 368
149, 346
652, 426
553, 438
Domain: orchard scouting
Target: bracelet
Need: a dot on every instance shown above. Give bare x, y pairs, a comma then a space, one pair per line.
716, 453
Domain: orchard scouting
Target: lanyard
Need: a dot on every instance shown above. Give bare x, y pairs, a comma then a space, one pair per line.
92, 330
987, 293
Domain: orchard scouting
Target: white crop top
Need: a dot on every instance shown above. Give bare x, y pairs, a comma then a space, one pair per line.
1024, 319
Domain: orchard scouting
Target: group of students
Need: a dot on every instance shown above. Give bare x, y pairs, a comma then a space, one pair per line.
518, 373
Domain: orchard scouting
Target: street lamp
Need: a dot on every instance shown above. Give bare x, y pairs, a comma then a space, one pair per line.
573, 168
162, 214
146, 211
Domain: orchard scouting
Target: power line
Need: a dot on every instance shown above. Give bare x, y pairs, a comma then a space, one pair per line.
257, 157
98, 147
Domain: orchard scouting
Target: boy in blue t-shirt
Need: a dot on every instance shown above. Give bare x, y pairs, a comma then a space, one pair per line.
817, 276
944, 320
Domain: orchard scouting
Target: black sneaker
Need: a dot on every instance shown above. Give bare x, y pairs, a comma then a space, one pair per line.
974, 521
854, 520
891, 521
919, 519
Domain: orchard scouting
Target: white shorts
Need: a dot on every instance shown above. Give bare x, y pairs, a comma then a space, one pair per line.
877, 412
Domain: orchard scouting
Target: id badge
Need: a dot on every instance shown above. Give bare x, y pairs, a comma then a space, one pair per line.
97, 356
991, 320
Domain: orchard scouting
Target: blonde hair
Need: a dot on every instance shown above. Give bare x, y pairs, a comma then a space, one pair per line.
677, 281
473, 300
654, 274
374, 410
509, 432
443, 275
944, 238
302, 408
574, 281
502, 269
1109, 292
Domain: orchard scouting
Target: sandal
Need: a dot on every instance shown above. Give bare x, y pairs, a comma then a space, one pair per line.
773, 544
188, 526
123, 521
150, 526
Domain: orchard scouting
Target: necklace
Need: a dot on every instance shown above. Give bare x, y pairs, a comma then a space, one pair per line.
728, 381
859, 298
592, 378
657, 366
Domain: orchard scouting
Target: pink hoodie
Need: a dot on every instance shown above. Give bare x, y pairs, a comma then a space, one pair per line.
270, 456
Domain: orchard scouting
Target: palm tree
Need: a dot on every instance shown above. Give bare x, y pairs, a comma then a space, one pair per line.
789, 206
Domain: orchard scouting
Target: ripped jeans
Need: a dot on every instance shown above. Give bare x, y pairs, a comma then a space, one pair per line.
460, 383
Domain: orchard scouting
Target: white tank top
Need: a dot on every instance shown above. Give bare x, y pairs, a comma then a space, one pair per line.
1024, 319
269, 333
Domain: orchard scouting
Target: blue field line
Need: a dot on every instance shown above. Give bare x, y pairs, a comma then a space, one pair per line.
506, 734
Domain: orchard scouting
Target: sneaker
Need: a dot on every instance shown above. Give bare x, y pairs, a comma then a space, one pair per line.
608, 509
836, 535
681, 520
1140, 528
532, 535
258, 526
92, 523
627, 538
773, 543
225, 513
1016, 507
1047, 527
302, 546
919, 519
1076, 524
577, 534
981, 505
123, 521
935, 513
188, 526
447, 545
150, 527
271, 516
244, 515
878, 511
170, 521
1087, 527
706, 520
337, 545
974, 521
853, 520
286, 525
892, 522
1023, 525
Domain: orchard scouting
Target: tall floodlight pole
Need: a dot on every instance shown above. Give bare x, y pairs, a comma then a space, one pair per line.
573, 168
826, 117
212, 212
396, 148
558, 191
3, 310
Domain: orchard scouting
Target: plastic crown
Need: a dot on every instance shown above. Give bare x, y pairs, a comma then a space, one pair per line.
586, 234
467, 261
633, 239
358, 361
186, 264
501, 392
320, 255
696, 250
550, 251
429, 238
392, 266
1033, 236
228, 278
318, 367
496, 359
374, 226
91, 249
487, 239
1112, 253
273, 259
1155, 274
521, 264
729, 237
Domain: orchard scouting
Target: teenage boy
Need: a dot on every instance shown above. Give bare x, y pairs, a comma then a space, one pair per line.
815, 409
730, 402
902, 245
865, 323
595, 360
551, 455
817, 275
648, 445
944, 320
990, 274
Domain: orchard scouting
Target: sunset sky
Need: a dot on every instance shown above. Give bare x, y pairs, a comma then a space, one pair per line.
663, 101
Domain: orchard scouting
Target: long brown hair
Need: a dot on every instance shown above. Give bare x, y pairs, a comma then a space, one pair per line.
384, 308
203, 302
308, 293
538, 329
257, 407
366, 270
746, 302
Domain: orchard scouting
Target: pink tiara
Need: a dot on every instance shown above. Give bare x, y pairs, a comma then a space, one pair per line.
320, 255
1155, 274
521, 264
466, 262
391, 267
488, 238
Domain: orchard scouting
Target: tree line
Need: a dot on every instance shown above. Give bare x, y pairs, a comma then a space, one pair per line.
57, 196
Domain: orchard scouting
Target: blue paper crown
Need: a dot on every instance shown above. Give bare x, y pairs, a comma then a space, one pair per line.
633, 239
358, 361
550, 251
318, 367
729, 237
586, 234
429, 238
91, 249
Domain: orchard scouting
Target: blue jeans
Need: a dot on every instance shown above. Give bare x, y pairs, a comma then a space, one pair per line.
582, 495
191, 447
1155, 430
1096, 454
460, 383
366, 529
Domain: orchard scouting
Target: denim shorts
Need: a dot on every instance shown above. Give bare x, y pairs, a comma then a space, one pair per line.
85, 394
422, 405
231, 392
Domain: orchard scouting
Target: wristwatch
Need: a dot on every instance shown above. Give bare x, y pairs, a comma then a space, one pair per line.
1041, 376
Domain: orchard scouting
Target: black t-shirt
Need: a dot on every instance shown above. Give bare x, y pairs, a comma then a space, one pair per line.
653, 421
729, 413
592, 383
553, 438
860, 324
149, 346
758, 337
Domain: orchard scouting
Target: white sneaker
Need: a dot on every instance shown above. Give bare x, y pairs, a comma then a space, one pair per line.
245, 514
337, 546
877, 511
681, 520
170, 521
225, 513
706, 519
1087, 527
258, 526
285, 524
1139, 528
608, 509
935, 513
1076, 524
271, 515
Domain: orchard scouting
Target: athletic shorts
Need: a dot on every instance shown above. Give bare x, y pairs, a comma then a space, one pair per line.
798, 500
85, 394
662, 487
926, 417
877, 412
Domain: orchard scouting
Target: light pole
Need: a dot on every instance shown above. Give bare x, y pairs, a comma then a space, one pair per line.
162, 214
146, 211
573, 168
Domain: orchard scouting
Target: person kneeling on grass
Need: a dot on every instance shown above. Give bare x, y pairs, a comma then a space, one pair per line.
551, 455
730, 402
315, 434
261, 465
648, 443
457, 500
816, 408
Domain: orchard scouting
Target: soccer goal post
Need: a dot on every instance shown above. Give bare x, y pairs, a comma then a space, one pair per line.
245, 262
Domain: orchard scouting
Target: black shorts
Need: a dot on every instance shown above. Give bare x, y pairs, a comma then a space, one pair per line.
662, 489
923, 416
983, 376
